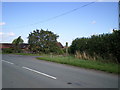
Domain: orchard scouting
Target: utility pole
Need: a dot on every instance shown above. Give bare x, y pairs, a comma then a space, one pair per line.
66, 48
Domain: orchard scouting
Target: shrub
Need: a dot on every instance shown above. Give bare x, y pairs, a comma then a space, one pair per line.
104, 46
7, 50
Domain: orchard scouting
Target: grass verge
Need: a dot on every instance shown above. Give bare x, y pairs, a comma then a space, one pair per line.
29, 54
97, 65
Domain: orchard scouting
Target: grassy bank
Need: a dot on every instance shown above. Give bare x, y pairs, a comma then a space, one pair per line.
29, 54
107, 67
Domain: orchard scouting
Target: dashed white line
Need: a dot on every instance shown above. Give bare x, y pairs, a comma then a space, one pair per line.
33, 70
7, 62
40, 73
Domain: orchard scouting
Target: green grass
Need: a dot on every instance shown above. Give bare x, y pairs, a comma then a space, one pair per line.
97, 65
29, 54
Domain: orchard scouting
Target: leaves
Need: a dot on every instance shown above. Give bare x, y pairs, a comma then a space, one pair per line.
43, 41
16, 43
106, 46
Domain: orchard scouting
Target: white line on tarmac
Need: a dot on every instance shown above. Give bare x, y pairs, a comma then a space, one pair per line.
7, 62
33, 70
40, 73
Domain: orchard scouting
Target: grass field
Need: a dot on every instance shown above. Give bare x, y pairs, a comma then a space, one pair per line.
97, 65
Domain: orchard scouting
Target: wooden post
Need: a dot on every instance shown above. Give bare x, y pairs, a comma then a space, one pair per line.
66, 48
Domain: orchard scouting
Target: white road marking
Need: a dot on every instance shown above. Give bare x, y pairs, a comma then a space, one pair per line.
7, 62
33, 70
40, 73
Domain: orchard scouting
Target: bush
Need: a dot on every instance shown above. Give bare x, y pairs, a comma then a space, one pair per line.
7, 50
104, 46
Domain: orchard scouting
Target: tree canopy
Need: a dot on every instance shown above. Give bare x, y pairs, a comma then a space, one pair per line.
18, 40
16, 44
43, 41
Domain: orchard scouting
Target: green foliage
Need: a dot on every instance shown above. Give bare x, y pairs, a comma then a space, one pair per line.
43, 41
17, 41
7, 50
105, 46
29, 54
16, 44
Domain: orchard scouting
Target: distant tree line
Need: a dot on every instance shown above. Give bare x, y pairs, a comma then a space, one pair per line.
103, 47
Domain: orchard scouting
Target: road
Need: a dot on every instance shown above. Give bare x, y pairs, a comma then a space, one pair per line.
20, 71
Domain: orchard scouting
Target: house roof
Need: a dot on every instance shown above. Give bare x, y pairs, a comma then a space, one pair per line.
60, 45
9, 45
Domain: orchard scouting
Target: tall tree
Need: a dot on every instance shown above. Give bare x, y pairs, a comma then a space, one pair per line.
43, 41
16, 43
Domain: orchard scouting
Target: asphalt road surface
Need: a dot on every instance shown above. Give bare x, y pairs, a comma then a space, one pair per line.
20, 71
